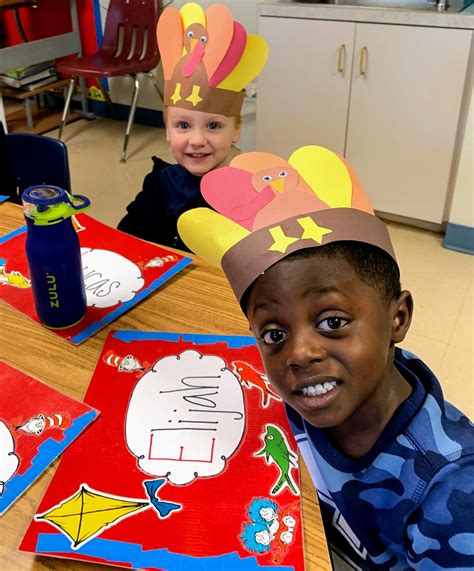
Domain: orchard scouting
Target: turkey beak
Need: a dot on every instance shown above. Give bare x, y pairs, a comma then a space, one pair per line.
278, 185
193, 42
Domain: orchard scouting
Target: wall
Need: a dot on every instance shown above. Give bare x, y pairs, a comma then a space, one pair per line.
462, 207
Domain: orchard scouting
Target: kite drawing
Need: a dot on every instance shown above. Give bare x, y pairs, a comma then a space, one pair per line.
85, 514
166, 478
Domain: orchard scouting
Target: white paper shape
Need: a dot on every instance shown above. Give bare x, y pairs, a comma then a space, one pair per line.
109, 278
186, 417
9, 461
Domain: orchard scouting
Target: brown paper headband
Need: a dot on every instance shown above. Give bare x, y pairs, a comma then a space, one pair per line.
260, 250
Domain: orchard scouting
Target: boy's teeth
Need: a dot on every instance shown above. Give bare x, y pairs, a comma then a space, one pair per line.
319, 389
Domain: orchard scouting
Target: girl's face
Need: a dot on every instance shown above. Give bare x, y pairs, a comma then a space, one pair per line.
200, 142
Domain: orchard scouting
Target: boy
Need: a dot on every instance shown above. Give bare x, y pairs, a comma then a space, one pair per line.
202, 119
393, 463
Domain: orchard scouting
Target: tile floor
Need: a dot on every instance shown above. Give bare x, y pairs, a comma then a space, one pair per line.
441, 280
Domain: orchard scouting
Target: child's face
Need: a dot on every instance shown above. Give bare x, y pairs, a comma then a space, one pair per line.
326, 338
200, 142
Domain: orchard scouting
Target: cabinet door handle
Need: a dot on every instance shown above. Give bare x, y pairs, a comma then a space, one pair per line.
341, 59
363, 61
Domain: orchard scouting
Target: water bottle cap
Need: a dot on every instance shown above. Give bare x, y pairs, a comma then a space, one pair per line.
44, 195
46, 204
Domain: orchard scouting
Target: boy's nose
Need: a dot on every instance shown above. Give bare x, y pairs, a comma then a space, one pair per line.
305, 348
197, 138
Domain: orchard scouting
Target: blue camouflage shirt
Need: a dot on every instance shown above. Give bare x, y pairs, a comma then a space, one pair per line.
409, 502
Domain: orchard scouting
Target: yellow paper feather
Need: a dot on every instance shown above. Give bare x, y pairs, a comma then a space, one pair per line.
250, 65
209, 234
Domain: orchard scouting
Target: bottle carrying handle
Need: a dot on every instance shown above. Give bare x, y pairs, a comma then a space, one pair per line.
85, 202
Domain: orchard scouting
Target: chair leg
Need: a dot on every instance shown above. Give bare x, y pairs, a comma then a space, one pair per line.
29, 114
67, 103
131, 116
106, 95
155, 83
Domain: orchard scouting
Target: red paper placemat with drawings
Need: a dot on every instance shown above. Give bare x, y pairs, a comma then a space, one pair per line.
119, 271
191, 465
36, 424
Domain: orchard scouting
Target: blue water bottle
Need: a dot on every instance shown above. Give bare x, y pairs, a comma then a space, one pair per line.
54, 255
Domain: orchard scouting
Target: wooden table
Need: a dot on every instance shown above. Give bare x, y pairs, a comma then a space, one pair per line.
198, 300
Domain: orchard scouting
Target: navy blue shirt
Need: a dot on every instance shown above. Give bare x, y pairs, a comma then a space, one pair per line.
409, 502
168, 191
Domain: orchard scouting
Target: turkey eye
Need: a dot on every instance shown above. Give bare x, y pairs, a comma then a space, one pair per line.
283, 174
267, 178
190, 34
203, 39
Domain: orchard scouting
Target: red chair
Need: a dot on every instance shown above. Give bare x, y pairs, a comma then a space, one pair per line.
129, 47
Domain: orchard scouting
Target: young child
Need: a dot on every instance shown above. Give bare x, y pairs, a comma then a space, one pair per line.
207, 61
393, 463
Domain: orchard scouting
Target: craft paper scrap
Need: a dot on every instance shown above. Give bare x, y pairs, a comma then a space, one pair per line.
191, 465
36, 424
119, 271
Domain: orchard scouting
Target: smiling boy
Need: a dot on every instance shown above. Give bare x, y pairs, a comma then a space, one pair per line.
199, 142
327, 340
393, 463
203, 99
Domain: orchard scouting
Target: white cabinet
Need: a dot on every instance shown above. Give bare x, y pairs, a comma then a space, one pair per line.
387, 97
303, 91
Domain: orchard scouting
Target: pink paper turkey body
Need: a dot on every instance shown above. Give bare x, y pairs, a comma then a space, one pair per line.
230, 191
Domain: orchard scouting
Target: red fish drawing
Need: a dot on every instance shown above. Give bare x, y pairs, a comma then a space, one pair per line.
249, 377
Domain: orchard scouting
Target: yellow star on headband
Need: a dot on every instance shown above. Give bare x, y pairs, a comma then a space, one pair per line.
177, 94
281, 240
195, 98
312, 231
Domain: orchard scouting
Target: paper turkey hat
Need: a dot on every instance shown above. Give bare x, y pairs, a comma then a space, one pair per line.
207, 58
267, 208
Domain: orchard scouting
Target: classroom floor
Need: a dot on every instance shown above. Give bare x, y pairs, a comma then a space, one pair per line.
441, 280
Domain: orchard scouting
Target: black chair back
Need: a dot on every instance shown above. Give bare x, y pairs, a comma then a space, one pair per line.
36, 159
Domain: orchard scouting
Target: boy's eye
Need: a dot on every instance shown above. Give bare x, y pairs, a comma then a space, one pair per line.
183, 125
332, 323
213, 126
273, 336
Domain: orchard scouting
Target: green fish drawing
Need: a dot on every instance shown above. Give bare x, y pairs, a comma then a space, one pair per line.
276, 450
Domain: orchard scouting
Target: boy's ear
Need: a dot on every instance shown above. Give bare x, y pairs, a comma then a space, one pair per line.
236, 136
237, 132
403, 312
